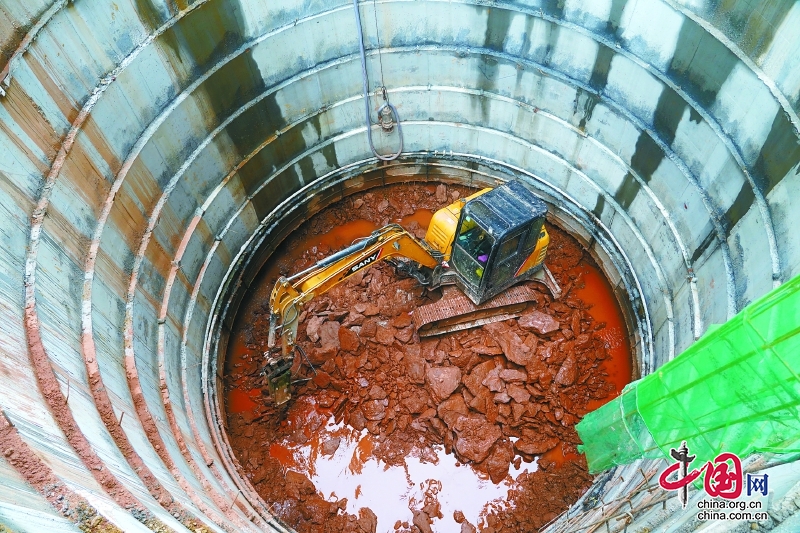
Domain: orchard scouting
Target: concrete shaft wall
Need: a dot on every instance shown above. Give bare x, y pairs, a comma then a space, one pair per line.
153, 152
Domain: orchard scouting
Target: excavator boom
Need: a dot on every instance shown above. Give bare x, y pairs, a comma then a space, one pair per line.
289, 295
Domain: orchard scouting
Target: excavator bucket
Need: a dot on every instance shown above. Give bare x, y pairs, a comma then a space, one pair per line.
279, 378
455, 312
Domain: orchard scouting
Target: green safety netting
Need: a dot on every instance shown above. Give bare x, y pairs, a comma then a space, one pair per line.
736, 389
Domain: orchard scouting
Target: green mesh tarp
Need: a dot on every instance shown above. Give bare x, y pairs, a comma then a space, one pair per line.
736, 389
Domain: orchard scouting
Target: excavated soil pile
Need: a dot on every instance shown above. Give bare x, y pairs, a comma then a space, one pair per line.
494, 396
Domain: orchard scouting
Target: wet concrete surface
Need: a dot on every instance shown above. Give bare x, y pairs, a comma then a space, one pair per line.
469, 430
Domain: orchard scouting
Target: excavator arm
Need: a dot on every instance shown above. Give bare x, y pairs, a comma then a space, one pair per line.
289, 295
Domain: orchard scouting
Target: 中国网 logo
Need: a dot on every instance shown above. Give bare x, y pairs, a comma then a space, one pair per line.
722, 476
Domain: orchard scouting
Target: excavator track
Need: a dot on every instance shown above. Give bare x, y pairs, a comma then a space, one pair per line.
454, 311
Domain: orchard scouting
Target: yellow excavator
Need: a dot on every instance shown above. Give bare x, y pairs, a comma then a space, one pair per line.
484, 244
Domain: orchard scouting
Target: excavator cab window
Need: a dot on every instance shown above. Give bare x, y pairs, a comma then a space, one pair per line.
474, 245
509, 247
536, 233
507, 259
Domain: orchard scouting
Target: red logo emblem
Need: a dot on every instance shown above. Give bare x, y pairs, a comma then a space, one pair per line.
723, 476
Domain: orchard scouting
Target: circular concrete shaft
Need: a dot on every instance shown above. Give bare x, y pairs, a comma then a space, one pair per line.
153, 153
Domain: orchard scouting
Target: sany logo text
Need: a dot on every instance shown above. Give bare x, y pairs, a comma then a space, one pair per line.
366, 261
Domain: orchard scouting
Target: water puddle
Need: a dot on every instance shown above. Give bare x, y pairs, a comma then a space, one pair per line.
420, 216
339, 461
341, 235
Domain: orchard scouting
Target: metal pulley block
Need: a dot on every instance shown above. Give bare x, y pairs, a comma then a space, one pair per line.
386, 118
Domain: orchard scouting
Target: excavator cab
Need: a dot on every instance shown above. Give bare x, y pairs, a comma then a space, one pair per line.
500, 240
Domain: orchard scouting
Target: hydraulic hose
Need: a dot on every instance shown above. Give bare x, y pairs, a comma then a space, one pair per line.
366, 96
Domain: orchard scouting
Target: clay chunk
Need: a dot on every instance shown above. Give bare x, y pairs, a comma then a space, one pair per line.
568, 372
312, 328
422, 521
518, 393
374, 409
329, 337
367, 520
348, 340
452, 408
474, 381
539, 322
444, 380
510, 376
513, 347
476, 437
535, 444
493, 381
385, 335
499, 461
298, 485
330, 446
415, 368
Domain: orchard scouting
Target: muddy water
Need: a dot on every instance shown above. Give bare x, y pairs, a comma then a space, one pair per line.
323, 470
421, 216
603, 307
339, 461
595, 291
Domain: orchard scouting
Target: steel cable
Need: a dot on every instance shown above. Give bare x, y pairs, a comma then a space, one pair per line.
386, 103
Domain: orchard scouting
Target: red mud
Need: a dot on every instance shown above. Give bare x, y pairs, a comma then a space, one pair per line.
70, 504
496, 398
